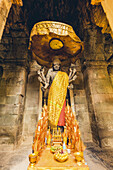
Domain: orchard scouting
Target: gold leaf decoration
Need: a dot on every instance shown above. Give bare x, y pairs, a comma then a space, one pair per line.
96, 2
18, 2
51, 38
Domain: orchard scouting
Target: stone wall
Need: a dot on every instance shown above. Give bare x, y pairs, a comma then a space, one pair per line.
97, 75
100, 95
19, 86
13, 64
98, 86
12, 95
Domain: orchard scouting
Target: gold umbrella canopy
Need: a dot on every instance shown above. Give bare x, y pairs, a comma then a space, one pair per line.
49, 39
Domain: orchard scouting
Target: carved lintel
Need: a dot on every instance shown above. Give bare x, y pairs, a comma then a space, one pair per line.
18, 2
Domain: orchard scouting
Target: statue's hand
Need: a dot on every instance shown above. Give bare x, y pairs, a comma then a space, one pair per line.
72, 75
70, 87
43, 89
41, 76
73, 78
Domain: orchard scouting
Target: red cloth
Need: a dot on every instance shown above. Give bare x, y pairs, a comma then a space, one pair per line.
61, 121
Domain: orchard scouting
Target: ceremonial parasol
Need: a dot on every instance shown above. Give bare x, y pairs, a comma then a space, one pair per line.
49, 39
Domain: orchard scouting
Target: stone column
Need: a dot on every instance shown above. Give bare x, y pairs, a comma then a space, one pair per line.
32, 103
81, 107
12, 96
100, 101
110, 71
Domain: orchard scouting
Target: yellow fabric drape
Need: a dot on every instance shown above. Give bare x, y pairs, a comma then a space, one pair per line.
56, 97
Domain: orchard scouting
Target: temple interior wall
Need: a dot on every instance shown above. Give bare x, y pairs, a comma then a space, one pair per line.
98, 85
12, 97
13, 79
19, 86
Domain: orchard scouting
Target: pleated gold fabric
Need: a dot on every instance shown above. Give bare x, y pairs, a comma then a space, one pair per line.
56, 97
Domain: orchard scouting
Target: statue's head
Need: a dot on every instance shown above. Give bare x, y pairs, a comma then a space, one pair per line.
56, 64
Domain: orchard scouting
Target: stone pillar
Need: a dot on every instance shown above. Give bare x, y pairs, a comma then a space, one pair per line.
12, 95
100, 101
81, 107
110, 71
32, 102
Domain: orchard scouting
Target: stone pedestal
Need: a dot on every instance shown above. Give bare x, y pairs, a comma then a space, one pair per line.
100, 101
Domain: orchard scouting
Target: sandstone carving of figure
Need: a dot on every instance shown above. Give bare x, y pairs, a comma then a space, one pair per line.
58, 82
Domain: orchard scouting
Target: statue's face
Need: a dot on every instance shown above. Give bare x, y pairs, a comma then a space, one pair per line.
56, 66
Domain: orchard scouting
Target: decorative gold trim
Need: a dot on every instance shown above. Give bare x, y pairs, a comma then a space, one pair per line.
56, 44
60, 168
49, 39
18, 2
58, 28
96, 2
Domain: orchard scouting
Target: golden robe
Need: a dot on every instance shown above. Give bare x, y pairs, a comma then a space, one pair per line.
56, 97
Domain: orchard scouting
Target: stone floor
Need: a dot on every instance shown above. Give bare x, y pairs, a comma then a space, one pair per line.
17, 159
95, 158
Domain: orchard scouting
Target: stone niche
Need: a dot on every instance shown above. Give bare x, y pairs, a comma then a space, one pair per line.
20, 95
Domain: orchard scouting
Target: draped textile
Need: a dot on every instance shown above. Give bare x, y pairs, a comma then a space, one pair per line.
61, 121
56, 97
